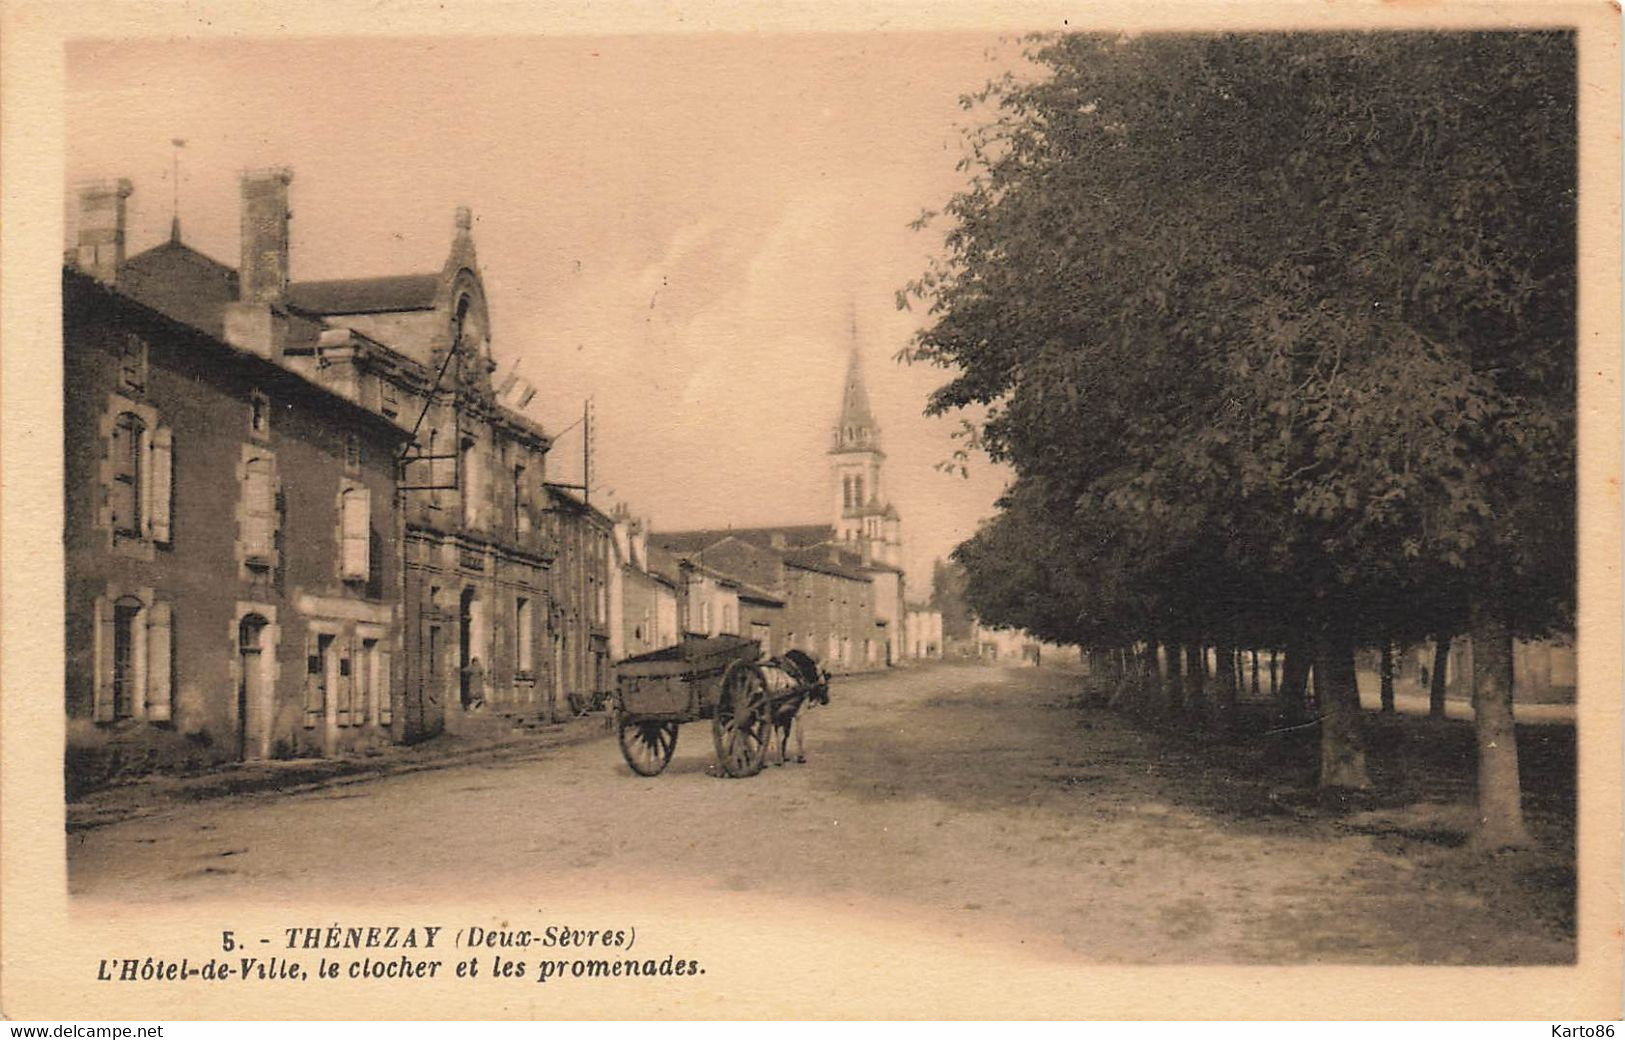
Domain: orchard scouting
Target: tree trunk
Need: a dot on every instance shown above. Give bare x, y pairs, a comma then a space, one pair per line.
1225, 696
1500, 801
1172, 683
1255, 674
1342, 752
1387, 671
1196, 681
1275, 688
1441, 669
1289, 696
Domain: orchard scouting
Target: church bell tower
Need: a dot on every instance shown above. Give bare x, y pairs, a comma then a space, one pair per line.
862, 512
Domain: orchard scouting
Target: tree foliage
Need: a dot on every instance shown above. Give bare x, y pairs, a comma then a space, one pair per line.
1278, 333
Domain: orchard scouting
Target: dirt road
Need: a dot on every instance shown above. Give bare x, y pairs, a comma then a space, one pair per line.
971, 797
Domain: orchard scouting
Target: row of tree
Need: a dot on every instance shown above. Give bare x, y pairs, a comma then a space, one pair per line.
1278, 334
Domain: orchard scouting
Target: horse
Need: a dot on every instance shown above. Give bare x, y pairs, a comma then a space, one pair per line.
793, 681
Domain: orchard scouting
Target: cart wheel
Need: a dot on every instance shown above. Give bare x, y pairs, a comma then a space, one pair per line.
740, 725
647, 746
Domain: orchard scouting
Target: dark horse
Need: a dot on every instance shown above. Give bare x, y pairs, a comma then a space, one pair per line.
793, 681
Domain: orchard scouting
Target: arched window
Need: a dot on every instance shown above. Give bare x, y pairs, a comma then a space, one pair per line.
125, 496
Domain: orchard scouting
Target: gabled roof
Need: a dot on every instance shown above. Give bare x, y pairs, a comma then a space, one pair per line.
181, 283
399, 292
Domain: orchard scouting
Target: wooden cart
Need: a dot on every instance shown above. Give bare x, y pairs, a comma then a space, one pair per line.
721, 678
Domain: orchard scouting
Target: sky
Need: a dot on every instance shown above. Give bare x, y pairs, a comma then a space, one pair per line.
682, 227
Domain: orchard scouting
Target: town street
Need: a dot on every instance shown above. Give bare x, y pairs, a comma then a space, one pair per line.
976, 798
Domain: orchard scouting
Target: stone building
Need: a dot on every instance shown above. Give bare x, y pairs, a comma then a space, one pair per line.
466, 498
579, 624
232, 581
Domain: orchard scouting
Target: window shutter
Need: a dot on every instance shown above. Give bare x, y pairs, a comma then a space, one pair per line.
161, 492
356, 524
259, 510
313, 679
160, 642
381, 684
102, 694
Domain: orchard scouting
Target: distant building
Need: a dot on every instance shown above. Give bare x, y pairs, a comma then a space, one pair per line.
922, 628
579, 623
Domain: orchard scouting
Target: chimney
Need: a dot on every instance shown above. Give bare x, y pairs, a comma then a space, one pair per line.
263, 277
101, 229
256, 321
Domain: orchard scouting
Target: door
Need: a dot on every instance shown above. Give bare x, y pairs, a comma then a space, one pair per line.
251, 728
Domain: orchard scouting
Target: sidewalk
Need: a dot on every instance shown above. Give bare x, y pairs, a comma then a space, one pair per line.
157, 794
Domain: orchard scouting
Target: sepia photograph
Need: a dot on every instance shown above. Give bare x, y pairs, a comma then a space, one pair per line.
1081, 497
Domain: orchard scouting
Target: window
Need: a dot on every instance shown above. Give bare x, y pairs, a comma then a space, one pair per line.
355, 534
522, 636
133, 644
728, 624
472, 485
705, 617
132, 362
352, 453
320, 663
351, 709
521, 502
259, 512
259, 415
124, 497
126, 671
857, 491
389, 399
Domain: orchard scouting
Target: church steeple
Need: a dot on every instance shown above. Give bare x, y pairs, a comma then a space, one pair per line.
856, 429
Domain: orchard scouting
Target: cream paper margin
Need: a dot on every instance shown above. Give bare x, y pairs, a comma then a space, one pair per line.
765, 958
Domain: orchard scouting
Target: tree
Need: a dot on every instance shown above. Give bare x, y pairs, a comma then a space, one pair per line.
1317, 389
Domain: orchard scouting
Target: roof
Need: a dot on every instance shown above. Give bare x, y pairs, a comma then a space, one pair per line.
77, 281
757, 594
398, 292
565, 497
795, 536
181, 283
818, 559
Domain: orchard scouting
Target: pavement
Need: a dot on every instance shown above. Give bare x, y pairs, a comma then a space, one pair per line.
159, 793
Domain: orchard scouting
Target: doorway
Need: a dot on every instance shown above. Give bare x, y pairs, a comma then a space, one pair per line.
251, 730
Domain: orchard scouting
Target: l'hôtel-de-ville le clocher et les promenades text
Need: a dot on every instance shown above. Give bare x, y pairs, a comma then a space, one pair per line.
304, 518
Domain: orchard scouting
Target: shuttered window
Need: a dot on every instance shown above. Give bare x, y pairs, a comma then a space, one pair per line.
355, 522
259, 510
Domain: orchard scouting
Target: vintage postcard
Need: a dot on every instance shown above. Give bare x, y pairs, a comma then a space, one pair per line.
761, 511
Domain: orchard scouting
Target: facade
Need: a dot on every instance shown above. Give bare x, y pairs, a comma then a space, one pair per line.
922, 628
579, 624
644, 602
371, 413
416, 349
231, 574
